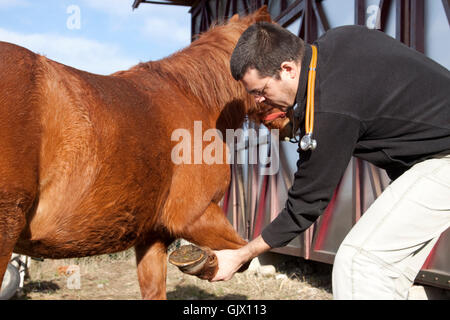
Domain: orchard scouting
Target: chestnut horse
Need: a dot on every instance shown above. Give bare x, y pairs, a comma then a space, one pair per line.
85, 160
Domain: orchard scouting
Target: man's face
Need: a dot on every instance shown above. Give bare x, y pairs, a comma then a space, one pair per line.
278, 93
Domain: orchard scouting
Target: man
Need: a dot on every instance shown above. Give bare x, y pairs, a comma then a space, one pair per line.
375, 99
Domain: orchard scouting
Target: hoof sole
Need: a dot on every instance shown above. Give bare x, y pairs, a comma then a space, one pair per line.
200, 262
187, 256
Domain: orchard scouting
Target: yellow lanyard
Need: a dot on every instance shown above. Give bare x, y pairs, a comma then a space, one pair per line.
309, 120
307, 141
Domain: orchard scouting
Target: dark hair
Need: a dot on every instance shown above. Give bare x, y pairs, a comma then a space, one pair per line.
264, 46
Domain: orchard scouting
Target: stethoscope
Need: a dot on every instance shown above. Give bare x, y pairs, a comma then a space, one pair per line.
306, 142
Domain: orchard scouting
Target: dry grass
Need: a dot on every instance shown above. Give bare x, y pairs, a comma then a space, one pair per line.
114, 277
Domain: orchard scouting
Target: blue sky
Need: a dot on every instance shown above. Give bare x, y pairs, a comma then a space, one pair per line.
108, 35
100, 36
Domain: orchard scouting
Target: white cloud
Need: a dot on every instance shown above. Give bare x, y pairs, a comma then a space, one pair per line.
77, 52
13, 3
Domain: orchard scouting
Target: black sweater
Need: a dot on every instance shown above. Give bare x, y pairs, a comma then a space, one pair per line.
375, 99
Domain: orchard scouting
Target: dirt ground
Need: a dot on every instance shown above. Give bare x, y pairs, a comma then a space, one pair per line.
113, 277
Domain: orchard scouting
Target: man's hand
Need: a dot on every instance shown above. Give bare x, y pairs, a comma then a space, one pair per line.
230, 261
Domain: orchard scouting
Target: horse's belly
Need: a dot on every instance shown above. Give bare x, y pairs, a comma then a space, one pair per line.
58, 247
56, 235
47, 249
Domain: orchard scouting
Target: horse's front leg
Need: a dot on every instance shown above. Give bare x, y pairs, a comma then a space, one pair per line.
151, 258
211, 231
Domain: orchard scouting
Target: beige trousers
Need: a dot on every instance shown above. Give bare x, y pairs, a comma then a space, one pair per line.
385, 250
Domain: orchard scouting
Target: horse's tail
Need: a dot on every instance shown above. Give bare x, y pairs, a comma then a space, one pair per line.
17, 83
19, 127
18, 86
19, 114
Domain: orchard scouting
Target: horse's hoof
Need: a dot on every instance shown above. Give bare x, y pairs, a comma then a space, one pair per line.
200, 262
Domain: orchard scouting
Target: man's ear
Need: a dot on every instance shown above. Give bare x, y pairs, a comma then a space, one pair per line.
289, 67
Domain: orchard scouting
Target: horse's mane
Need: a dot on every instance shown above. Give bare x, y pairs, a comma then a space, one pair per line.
203, 68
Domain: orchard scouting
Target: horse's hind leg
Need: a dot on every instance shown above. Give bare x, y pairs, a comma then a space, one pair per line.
13, 206
18, 190
151, 258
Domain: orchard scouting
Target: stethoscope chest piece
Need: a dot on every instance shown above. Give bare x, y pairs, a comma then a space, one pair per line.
308, 143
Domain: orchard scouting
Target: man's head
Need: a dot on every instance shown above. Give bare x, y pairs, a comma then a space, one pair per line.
267, 59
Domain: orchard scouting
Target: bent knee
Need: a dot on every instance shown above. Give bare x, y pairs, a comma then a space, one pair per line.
343, 260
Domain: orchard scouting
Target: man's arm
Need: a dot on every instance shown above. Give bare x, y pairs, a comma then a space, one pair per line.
231, 261
317, 175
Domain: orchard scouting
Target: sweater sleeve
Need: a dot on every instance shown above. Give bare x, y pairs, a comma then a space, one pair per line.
318, 173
